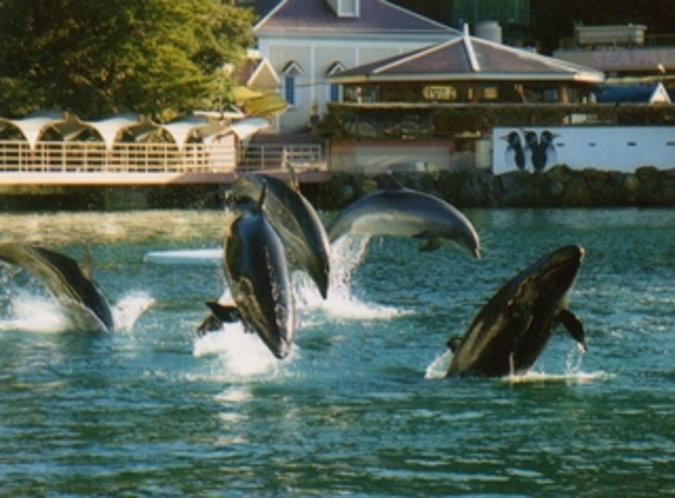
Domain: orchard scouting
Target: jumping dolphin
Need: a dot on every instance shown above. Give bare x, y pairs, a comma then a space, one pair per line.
69, 282
400, 211
510, 332
257, 273
295, 220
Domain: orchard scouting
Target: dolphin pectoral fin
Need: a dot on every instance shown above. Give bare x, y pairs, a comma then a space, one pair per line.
431, 244
219, 314
454, 343
574, 326
226, 314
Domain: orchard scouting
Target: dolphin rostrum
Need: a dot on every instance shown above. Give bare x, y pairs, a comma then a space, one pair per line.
257, 273
510, 332
403, 212
69, 282
295, 220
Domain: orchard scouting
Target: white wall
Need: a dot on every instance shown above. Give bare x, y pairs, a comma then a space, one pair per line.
614, 148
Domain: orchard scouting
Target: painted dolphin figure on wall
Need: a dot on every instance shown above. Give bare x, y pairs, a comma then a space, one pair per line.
514, 154
69, 282
258, 276
541, 151
510, 332
400, 211
295, 220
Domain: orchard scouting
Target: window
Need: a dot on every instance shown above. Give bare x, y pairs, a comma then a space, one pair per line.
289, 89
335, 93
291, 71
334, 89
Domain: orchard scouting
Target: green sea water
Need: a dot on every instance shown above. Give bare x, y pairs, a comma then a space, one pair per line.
358, 408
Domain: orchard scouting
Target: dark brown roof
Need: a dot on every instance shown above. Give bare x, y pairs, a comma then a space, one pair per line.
470, 58
376, 17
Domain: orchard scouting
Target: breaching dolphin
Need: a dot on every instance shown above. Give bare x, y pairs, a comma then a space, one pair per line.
258, 276
69, 282
295, 220
510, 332
400, 211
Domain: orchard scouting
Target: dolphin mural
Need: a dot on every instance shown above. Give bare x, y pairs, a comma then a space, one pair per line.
399, 211
510, 332
258, 276
69, 282
295, 220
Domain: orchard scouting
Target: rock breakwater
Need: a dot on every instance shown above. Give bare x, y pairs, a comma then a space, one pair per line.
560, 186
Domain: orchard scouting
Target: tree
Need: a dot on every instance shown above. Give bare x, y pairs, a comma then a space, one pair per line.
94, 57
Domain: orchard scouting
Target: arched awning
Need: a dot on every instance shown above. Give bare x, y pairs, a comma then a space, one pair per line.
193, 128
33, 126
111, 128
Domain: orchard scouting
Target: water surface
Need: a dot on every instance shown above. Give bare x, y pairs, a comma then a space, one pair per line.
358, 408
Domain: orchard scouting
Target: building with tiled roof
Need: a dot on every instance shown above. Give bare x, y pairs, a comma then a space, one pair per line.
306, 41
468, 69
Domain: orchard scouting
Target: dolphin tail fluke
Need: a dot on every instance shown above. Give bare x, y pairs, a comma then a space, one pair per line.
574, 326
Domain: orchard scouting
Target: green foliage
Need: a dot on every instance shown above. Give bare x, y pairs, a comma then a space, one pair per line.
94, 57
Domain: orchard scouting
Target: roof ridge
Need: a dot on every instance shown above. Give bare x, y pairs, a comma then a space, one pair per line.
411, 56
467, 41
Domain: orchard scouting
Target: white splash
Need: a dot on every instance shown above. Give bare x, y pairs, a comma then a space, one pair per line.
243, 354
534, 376
573, 373
439, 367
347, 254
129, 309
35, 313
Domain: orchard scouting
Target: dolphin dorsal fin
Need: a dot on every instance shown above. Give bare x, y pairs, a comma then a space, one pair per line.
87, 264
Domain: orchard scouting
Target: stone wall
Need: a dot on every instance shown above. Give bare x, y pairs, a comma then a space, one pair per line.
559, 186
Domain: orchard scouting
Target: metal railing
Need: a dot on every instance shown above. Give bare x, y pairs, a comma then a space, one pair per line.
82, 157
261, 157
93, 157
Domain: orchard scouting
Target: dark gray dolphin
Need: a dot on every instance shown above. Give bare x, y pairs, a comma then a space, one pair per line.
510, 332
403, 212
295, 220
257, 273
69, 282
